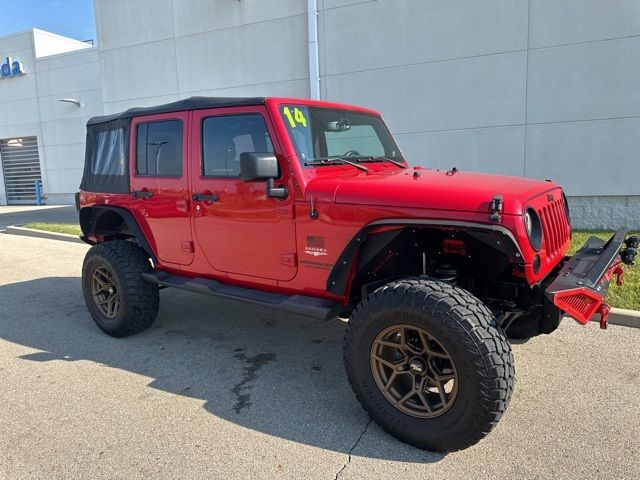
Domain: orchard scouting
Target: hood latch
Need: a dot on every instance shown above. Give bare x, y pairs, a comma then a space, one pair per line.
495, 208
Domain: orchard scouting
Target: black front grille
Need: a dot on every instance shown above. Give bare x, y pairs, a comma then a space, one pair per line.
555, 226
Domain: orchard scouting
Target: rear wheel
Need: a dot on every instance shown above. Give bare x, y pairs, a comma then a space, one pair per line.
429, 363
120, 301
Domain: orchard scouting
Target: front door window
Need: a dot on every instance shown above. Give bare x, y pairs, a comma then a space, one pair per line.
240, 230
224, 138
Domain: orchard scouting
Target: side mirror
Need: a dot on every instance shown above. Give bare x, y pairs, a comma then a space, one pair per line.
262, 166
258, 166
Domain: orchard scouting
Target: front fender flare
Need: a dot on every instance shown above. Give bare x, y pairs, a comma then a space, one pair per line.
338, 280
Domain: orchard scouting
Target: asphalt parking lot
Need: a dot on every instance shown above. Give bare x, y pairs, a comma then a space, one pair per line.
218, 389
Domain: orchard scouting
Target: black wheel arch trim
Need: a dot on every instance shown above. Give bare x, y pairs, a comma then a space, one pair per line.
339, 275
89, 217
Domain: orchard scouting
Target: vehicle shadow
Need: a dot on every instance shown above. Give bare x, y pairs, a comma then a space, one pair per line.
276, 373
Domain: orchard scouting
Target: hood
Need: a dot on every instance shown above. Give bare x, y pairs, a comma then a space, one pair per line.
431, 189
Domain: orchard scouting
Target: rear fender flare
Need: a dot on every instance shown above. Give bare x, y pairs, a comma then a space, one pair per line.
339, 279
90, 217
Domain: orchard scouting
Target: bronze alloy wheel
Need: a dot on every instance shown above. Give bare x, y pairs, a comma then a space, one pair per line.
105, 291
119, 299
414, 371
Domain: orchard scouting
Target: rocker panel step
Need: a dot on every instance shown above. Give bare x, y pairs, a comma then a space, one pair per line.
298, 304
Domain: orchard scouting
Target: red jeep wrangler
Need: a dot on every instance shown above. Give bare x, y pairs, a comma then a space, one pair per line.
309, 207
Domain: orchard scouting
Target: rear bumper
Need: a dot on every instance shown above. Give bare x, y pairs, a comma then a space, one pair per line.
582, 282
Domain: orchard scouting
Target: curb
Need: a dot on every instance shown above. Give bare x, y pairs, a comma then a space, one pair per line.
617, 316
625, 318
30, 232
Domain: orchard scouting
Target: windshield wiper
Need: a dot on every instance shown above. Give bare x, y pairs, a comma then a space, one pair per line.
330, 160
378, 159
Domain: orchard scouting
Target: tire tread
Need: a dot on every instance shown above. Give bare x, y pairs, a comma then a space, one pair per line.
459, 309
139, 298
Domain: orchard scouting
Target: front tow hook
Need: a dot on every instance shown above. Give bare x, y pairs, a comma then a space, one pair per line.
604, 311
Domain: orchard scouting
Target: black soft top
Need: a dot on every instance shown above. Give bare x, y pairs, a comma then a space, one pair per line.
106, 165
191, 103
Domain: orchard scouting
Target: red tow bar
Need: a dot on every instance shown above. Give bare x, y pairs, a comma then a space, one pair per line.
605, 308
604, 315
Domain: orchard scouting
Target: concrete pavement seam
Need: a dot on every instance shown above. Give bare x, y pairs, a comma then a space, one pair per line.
352, 449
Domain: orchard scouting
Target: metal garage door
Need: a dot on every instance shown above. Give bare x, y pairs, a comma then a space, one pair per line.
21, 168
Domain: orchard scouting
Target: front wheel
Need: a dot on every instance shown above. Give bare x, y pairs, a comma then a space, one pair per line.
120, 301
429, 363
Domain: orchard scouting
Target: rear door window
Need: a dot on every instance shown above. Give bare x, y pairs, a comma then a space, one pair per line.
159, 148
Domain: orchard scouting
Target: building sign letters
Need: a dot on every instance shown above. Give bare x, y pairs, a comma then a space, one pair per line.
11, 68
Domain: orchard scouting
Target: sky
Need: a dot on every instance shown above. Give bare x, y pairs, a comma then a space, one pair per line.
70, 18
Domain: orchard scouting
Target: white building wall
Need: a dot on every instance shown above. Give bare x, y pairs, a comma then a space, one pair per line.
19, 113
74, 75
539, 88
182, 48
30, 106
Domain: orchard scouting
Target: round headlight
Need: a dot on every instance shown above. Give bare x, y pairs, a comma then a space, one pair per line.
533, 227
566, 208
527, 222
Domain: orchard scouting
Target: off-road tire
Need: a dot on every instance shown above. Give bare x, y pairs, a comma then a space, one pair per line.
468, 331
139, 299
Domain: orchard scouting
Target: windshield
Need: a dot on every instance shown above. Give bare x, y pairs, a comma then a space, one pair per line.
320, 133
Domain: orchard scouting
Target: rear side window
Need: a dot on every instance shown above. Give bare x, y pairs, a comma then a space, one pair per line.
109, 153
106, 162
159, 148
225, 138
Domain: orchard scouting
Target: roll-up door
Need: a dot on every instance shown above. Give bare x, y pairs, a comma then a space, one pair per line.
21, 168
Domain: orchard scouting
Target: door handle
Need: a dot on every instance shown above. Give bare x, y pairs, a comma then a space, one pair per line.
201, 197
141, 194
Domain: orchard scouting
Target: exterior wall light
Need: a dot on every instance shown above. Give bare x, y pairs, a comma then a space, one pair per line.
71, 100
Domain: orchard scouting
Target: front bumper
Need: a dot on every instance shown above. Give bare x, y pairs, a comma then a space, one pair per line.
582, 282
